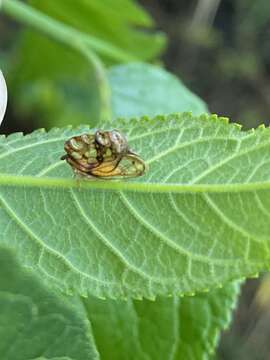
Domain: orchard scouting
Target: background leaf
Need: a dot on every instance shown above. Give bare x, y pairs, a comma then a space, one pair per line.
140, 89
35, 323
176, 328
116, 22
58, 84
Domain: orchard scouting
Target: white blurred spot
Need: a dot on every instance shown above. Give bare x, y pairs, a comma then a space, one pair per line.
3, 96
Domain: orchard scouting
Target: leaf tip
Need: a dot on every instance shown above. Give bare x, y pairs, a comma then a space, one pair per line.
158, 118
205, 117
39, 131
237, 126
224, 120
261, 127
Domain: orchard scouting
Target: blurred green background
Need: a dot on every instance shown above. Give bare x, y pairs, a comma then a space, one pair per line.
219, 48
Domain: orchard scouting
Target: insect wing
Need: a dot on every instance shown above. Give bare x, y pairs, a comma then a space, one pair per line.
126, 166
102, 155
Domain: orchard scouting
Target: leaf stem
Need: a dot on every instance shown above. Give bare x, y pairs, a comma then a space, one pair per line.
86, 44
62, 32
102, 83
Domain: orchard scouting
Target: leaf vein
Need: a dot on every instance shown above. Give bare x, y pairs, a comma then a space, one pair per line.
227, 159
170, 243
32, 235
184, 145
107, 243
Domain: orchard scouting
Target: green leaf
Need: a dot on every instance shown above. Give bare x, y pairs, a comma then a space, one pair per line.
174, 328
186, 226
57, 83
139, 89
37, 324
113, 21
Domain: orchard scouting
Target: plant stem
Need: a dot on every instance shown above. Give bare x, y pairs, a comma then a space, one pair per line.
102, 83
85, 44
62, 32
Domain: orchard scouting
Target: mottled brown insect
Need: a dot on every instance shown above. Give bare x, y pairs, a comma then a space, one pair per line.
104, 154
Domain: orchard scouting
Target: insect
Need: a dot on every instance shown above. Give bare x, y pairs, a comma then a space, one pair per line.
104, 154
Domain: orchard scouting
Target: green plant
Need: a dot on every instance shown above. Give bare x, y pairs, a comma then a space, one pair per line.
142, 269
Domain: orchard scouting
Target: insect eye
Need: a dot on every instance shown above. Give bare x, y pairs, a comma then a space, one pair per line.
119, 142
76, 145
102, 138
116, 136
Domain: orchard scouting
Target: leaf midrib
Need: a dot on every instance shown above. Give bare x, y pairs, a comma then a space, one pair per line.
112, 185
